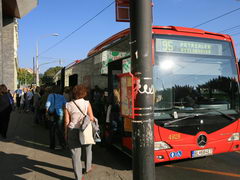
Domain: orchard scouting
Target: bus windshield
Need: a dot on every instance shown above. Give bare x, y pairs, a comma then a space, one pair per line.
192, 74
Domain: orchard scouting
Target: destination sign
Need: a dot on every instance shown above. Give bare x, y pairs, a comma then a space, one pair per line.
188, 47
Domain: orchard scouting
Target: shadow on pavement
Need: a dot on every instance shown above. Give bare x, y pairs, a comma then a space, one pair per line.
24, 132
15, 165
111, 157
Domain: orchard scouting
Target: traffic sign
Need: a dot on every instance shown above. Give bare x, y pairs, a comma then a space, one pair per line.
122, 11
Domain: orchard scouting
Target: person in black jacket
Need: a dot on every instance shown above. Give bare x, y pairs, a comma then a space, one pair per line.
5, 110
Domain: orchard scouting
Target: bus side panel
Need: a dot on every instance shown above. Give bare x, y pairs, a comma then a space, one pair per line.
127, 142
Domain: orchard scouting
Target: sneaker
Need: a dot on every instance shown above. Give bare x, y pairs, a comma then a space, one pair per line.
89, 170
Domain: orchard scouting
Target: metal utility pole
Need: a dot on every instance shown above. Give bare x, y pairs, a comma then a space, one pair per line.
62, 82
33, 65
37, 67
34, 70
37, 56
141, 54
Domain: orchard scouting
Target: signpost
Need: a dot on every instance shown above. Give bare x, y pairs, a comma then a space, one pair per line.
122, 11
141, 68
141, 56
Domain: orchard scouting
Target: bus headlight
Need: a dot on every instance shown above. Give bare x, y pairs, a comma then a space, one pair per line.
234, 137
160, 145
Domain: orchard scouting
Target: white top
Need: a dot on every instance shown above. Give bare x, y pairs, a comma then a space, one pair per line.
76, 116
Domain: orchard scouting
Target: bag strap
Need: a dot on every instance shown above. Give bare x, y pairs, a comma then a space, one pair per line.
54, 101
79, 108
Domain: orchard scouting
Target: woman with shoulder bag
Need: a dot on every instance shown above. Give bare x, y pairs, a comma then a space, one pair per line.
75, 113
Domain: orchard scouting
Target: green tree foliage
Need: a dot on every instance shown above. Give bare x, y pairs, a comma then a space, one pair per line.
48, 75
24, 77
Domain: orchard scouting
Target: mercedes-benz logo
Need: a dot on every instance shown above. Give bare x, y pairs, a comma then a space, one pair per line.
202, 140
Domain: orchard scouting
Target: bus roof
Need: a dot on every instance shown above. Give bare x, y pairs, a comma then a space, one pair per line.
108, 41
170, 30
73, 63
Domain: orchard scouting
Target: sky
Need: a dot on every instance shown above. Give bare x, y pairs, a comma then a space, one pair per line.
78, 34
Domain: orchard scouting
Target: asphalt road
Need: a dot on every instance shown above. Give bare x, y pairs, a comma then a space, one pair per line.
218, 167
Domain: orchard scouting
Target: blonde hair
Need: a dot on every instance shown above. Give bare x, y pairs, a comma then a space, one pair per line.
116, 94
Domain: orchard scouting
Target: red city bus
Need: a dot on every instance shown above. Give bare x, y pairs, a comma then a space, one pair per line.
196, 91
197, 73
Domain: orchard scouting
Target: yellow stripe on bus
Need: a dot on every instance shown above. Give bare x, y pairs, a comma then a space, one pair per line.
205, 171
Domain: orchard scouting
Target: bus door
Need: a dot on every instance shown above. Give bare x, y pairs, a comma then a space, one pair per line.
114, 120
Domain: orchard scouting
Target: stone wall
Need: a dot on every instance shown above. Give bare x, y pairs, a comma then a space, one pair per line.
1, 61
9, 11
8, 53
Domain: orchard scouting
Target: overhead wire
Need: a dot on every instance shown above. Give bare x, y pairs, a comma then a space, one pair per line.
230, 29
235, 34
216, 17
81, 26
51, 57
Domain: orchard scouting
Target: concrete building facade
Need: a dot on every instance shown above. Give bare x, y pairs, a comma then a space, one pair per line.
10, 10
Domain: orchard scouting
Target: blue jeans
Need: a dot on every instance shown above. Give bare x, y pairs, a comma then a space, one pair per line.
56, 127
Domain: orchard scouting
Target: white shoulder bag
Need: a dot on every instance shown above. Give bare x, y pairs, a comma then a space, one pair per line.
86, 134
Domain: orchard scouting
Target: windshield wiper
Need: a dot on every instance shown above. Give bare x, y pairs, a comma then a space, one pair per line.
211, 110
223, 114
173, 108
197, 115
181, 119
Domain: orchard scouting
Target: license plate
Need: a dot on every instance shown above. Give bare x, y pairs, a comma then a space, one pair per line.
202, 152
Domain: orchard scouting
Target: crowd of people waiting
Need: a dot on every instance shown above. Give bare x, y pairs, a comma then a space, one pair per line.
34, 100
37, 100
50, 107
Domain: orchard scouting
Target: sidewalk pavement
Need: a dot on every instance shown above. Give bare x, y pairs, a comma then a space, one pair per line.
25, 155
